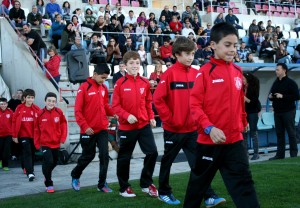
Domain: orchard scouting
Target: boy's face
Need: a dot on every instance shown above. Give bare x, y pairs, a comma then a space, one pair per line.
225, 49
29, 100
100, 78
50, 103
186, 58
133, 66
3, 105
19, 95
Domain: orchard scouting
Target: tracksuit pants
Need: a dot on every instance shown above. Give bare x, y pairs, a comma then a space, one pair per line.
88, 145
28, 151
128, 139
50, 158
173, 143
232, 162
5, 143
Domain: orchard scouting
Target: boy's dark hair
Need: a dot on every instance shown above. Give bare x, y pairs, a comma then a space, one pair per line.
131, 55
284, 67
50, 94
3, 100
102, 69
28, 92
166, 39
221, 30
182, 44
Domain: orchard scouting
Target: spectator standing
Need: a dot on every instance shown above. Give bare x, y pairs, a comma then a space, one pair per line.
250, 4
56, 29
36, 20
93, 129
232, 19
167, 13
297, 54
175, 13
131, 19
155, 53
219, 19
243, 52
253, 27
121, 73
41, 8
92, 7
17, 15
52, 65
66, 11
97, 50
113, 53
283, 94
68, 37
187, 14
196, 24
114, 26
175, 25
52, 9
187, 30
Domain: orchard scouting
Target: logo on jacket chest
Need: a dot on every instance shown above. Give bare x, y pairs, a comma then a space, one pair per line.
56, 119
7, 115
142, 90
238, 83
103, 93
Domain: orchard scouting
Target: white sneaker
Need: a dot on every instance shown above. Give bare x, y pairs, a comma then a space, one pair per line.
31, 177
128, 193
152, 191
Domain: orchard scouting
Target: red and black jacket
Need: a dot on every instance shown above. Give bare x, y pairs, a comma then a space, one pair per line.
6, 122
91, 106
132, 96
51, 128
171, 98
217, 99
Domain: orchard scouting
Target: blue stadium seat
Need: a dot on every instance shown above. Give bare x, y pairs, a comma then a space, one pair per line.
268, 118
262, 126
297, 117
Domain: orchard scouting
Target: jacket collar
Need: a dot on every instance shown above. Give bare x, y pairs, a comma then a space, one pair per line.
219, 61
132, 77
92, 82
180, 66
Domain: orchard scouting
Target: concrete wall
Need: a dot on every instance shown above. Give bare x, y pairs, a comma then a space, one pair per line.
19, 69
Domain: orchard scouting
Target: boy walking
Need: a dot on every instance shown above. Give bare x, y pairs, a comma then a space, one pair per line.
217, 106
132, 102
5, 133
171, 99
50, 131
91, 111
23, 130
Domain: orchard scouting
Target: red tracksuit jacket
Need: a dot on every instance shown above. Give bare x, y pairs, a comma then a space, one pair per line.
133, 96
50, 128
23, 121
166, 52
53, 66
171, 98
217, 99
91, 106
6, 122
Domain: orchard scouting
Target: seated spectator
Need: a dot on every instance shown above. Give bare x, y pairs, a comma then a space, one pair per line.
282, 56
261, 26
56, 29
192, 36
250, 58
274, 42
200, 30
52, 65
198, 58
52, 9
131, 19
202, 40
76, 24
207, 30
89, 19
128, 46
175, 25
100, 24
253, 42
35, 41
92, 7
97, 50
68, 37
66, 11
78, 44
187, 30
196, 13
123, 37
269, 25
157, 37
232, 19
237, 58
166, 51
175, 13
207, 53
260, 38
219, 18
17, 15
156, 75
187, 14
151, 18
142, 34
113, 53
167, 31
120, 73
296, 55
155, 53
41, 8
101, 11
297, 25
80, 15
107, 9
253, 27
243, 52
36, 20
141, 17
107, 18
114, 26
266, 48
143, 55
196, 24
279, 33
167, 14
102, 38
119, 13
163, 23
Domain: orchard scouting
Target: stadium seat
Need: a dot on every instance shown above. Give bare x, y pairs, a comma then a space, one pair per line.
150, 69
262, 126
293, 34
246, 25
149, 58
297, 117
116, 69
265, 8
292, 42
276, 14
124, 3
290, 50
135, 4
246, 40
26, 11
286, 34
236, 11
210, 9
298, 10
287, 27
258, 7
220, 9
114, 2
268, 118
280, 25
286, 9
279, 9
283, 14
242, 33
292, 15
103, 1
272, 8
292, 9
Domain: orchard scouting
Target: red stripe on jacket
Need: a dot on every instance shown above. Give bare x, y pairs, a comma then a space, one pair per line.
6, 122
91, 106
133, 96
51, 128
217, 99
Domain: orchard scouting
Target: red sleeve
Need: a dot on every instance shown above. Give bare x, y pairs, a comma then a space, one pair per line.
152, 76
244, 114
79, 105
64, 128
160, 97
107, 107
163, 52
14, 122
53, 64
37, 133
179, 26
116, 104
149, 102
197, 101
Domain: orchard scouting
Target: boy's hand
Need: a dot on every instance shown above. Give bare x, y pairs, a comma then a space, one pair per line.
246, 129
89, 131
217, 135
15, 140
131, 119
152, 122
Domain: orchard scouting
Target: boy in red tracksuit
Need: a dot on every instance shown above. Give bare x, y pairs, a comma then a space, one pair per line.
23, 130
166, 51
50, 131
91, 111
171, 99
132, 102
5, 133
217, 106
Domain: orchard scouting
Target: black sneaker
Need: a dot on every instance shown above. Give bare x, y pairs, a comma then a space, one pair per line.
31, 177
